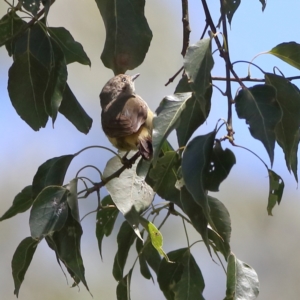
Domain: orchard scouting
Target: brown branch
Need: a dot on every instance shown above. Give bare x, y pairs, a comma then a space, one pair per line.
233, 79
186, 26
174, 76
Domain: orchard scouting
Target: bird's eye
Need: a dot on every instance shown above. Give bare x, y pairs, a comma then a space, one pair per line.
124, 79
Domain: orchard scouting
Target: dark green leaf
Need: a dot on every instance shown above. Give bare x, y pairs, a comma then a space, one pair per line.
221, 218
49, 212
106, 218
181, 279
242, 280
163, 177
123, 287
192, 114
66, 244
230, 6
144, 269
275, 191
263, 3
125, 239
220, 165
51, 172
46, 4
259, 107
21, 261
198, 63
33, 6
152, 257
195, 161
287, 130
128, 35
195, 212
72, 50
288, 52
168, 118
73, 111
72, 199
21, 203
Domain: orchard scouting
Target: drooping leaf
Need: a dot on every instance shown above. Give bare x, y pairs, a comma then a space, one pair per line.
123, 287
275, 191
72, 199
33, 6
66, 244
220, 165
21, 203
259, 107
242, 280
125, 239
163, 177
192, 114
106, 218
73, 50
21, 261
128, 35
230, 7
195, 161
144, 269
264, 4
73, 111
195, 212
51, 172
287, 130
168, 118
288, 52
49, 212
198, 62
182, 279
152, 256
130, 193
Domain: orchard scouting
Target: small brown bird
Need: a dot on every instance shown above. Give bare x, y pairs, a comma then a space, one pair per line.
126, 117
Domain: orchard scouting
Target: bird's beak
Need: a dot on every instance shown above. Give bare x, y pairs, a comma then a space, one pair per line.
134, 77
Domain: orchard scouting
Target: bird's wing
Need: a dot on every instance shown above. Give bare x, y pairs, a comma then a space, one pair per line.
124, 116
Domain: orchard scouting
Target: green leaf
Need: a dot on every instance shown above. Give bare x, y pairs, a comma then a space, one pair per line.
144, 269
221, 162
168, 117
123, 287
130, 193
21, 203
33, 6
106, 218
163, 177
73, 111
242, 280
72, 198
73, 51
288, 52
230, 7
221, 218
125, 239
195, 161
51, 172
275, 191
192, 114
49, 212
21, 261
66, 244
287, 130
183, 279
198, 62
152, 256
259, 107
195, 212
264, 4
128, 35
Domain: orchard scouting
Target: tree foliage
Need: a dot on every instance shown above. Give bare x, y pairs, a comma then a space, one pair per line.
38, 89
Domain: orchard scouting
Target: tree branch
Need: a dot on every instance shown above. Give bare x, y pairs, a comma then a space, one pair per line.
186, 26
174, 76
233, 79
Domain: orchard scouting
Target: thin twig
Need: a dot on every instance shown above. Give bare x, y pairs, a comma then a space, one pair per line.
174, 76
186, 26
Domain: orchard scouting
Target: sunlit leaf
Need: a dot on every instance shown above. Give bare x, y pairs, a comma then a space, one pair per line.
49, 212
259, 107
182, 279
287, 130
242, 280
106, 218
21, 203
21, 261
128, 35
123, 287
288, 52
125, 239
276, 187
198, 63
